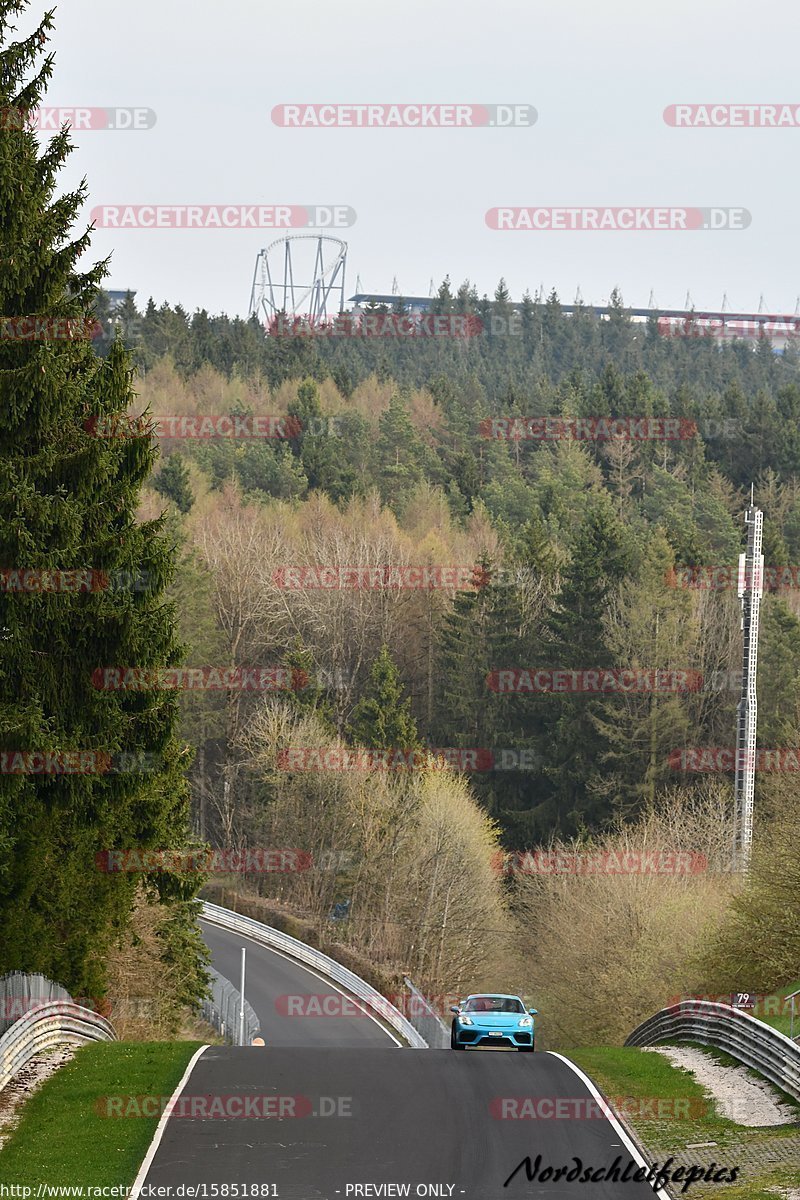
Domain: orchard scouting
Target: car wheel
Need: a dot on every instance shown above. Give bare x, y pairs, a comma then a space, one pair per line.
526, 1049
454, 1044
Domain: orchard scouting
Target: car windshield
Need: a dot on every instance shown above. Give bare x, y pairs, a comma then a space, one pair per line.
489, 1004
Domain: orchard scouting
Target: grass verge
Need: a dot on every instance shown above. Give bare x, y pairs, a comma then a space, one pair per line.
671, 1114
64, 1139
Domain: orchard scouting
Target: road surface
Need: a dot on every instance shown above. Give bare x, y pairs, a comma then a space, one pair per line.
272, 979
331, 1121
331, 1109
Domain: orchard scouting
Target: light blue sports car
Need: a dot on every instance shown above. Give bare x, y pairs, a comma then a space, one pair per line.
492, 1020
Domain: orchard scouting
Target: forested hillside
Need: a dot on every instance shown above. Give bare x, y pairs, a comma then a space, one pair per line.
394, 459
357, 625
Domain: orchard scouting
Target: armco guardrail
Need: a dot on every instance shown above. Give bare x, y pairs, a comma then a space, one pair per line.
426, 1020
328, 967
221, 1010
755, 1044
21, 992
48, 1026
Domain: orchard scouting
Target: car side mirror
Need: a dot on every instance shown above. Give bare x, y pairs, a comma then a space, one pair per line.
534, 1012
453, 1009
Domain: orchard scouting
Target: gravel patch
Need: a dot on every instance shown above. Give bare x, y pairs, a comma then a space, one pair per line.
27, 1081
737, 1095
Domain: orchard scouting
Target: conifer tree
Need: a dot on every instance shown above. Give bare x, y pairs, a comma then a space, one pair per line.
382, 718
67, 504
485, 632
400, 453
573, 747
464, 707
311, 693
173, 481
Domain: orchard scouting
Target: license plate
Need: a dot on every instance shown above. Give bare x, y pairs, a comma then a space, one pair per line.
495, 1033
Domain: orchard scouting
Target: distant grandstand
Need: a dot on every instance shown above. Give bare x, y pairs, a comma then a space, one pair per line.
672, 322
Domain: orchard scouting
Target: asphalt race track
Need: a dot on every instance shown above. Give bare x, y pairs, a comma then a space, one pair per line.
331, 1109
415, 1117
269, 977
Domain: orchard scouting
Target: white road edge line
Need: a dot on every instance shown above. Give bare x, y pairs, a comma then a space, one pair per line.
162, 1124
633, 1149
322, 978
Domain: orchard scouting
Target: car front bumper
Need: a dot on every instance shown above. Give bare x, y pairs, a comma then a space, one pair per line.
470, 1036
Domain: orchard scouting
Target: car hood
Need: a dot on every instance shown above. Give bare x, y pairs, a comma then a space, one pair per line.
496, 1020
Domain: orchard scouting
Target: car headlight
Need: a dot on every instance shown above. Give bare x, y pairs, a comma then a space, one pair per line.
526, 1021
465, 1020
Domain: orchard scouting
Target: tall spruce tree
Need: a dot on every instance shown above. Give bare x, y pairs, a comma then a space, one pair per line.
574, 745
174, 482
67, 503
464, 713
382, 718
481, 634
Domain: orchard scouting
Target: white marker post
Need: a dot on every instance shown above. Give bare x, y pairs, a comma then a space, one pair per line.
793, 998
750, 589
241, 1002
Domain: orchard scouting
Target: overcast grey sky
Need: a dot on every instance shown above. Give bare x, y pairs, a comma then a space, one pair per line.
599, 77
